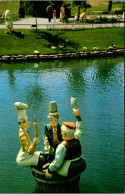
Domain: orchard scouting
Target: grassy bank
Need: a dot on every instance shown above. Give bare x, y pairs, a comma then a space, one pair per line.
13, 6
64, 41
98, 6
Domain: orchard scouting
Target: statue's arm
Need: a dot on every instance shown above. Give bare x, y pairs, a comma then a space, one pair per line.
25, 144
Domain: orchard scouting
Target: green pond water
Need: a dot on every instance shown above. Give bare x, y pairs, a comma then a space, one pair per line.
98, 85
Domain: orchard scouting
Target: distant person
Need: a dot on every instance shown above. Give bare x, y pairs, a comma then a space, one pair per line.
8, 21
54, 16
75, 18
82, 16
49, 11
62, 12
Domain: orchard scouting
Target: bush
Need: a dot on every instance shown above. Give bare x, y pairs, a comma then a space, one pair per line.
113, 20
103, 19
117, 10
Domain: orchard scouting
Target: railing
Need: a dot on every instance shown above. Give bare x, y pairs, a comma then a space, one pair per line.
65, 26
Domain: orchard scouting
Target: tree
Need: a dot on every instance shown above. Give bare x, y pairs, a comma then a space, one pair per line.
79, 4
39, 7
110, 6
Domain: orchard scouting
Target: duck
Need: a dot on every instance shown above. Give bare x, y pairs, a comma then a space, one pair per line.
95, 48
85, 48
53, 47
36, 52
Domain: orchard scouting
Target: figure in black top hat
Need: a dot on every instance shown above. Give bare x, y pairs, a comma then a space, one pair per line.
53, 135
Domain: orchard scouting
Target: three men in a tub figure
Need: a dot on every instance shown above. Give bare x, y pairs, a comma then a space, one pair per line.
66, 140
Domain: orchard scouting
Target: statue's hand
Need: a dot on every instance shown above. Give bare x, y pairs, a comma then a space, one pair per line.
46, 165
36, 127
36, 140
46, 142
76, 112
35, 119
47, 174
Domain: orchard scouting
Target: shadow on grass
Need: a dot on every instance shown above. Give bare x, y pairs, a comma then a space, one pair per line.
18, 34
57, 41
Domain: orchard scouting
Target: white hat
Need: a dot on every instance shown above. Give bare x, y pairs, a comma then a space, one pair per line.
21, 108
69, 128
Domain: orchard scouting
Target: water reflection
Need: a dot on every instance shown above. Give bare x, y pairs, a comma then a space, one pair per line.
98, 86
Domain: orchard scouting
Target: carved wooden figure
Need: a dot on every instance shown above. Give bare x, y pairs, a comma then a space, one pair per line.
52, 130
27, 155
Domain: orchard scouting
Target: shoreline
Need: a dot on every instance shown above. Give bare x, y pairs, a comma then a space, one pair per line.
80, 55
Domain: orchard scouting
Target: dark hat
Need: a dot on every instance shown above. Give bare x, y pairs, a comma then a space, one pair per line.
69, 125
53, 112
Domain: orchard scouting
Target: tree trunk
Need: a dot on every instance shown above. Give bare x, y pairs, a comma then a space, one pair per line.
110, 6
78, 11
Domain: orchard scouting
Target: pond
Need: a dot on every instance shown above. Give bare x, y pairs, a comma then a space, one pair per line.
98, 85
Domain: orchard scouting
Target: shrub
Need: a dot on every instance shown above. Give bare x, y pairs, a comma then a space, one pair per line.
113, 20
117, 10
104, 19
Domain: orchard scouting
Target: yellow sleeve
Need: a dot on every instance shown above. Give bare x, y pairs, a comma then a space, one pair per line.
25, 144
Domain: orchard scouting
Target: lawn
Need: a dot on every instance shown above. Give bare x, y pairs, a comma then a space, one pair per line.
65, 41
13, 6
97, 6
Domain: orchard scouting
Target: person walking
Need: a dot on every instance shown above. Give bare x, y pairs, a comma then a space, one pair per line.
62, 12
75, 18
49, 11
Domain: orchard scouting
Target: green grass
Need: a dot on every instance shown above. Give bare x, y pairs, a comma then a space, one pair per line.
13, 6
44, 39
96, 6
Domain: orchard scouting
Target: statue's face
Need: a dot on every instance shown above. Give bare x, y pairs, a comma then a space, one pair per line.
26, 124
54, 121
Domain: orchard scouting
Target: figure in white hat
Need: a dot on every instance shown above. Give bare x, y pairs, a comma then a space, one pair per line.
52, 131
27, 155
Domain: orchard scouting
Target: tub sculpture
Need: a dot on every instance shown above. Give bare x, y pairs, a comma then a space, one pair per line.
60, 173
56, 184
